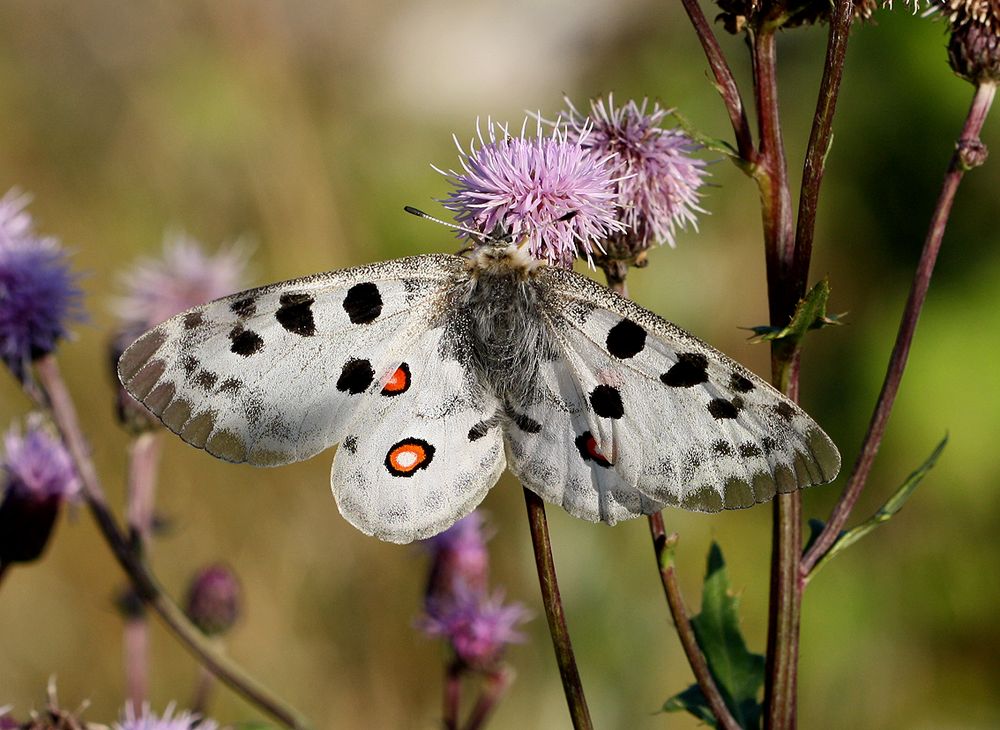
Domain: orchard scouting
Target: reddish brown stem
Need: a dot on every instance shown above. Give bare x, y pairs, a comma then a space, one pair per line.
968, 151
452, 694
663, 547
572, 685
494, 688
724, 81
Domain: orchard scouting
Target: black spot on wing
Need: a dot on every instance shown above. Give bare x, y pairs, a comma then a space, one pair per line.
722, 448
527, 424
687, 372
769, 444
363, 303
350, 443
244, 342
750, 450
193, 319
230, 385
607, 402
244, 307
295, 314
206, 379
784, 410
626, 339
721, 408
478, 431
190, 364
740, 383
355, 377
587, 446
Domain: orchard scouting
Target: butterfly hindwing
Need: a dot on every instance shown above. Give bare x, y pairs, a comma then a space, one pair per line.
675, 420
275, 374
425, 451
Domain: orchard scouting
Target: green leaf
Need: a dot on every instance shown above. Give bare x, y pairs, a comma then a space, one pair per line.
710, 143
738, 672
810, 314
691, 700
887, 510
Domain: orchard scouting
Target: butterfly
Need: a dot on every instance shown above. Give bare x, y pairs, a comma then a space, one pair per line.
436, 372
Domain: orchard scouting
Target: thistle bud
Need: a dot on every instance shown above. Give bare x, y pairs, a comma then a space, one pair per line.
213, 599
37, 477
974, 46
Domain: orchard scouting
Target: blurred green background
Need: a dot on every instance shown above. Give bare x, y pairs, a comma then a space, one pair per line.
305, 127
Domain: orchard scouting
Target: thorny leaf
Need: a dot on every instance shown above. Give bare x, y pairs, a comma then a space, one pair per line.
810, 314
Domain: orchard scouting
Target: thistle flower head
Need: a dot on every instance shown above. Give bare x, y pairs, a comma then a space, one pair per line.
657, 178
38, 291
477, 627
148, 720
213, 599
156, 289
974, 45
546, 189
458, 556
37, 476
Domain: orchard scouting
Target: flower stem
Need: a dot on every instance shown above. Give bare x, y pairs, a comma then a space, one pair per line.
135, 641
452, 694
967, 153
496, 685
663, 547
724, 80
575, 699
142, 579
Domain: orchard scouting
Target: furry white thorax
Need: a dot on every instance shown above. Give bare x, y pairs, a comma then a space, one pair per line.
502, 257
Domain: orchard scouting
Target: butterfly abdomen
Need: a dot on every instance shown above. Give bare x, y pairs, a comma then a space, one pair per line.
507, 337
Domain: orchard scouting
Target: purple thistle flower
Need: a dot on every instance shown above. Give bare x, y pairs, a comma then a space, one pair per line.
657, 179
148, 720
213, 599
184, 277
477, 627
458, 555
548, 190
38, 291
37, 476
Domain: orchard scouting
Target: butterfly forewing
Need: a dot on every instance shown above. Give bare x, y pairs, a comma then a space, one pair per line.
676, 420
275, 374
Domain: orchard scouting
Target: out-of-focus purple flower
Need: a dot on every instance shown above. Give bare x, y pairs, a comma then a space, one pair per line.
38, 290
478, 627
657, 178
155, 289
37, 477
148, 720
7, 722
548, 190
214, 599
459, 555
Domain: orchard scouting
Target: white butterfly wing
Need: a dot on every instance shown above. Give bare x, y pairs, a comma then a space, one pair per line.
275, 374
425, 453
666, 416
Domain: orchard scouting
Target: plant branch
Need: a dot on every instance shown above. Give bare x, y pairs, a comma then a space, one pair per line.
452, 694
663, 547
968, 152
143, 581
820, 138
724, 81
575, 699
495, 686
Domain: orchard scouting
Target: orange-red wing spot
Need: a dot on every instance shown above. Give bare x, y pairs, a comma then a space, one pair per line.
399, 382
408, 456
587, 445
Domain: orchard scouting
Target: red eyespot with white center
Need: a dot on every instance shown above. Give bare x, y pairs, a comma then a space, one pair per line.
408, 456
587, 445
398, 383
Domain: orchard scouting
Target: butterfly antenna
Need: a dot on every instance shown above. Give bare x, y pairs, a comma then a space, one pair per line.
454, 226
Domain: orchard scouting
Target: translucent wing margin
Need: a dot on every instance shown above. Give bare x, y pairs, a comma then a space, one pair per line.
276, 374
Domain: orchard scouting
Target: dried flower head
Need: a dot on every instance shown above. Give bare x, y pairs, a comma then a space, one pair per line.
156, 289
38, 291
974, 45
148, 720
477, 627
738, 15
214, 599
548, 190
37, 476
657, 178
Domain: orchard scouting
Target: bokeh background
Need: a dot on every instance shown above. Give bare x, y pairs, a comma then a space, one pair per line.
305, 127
